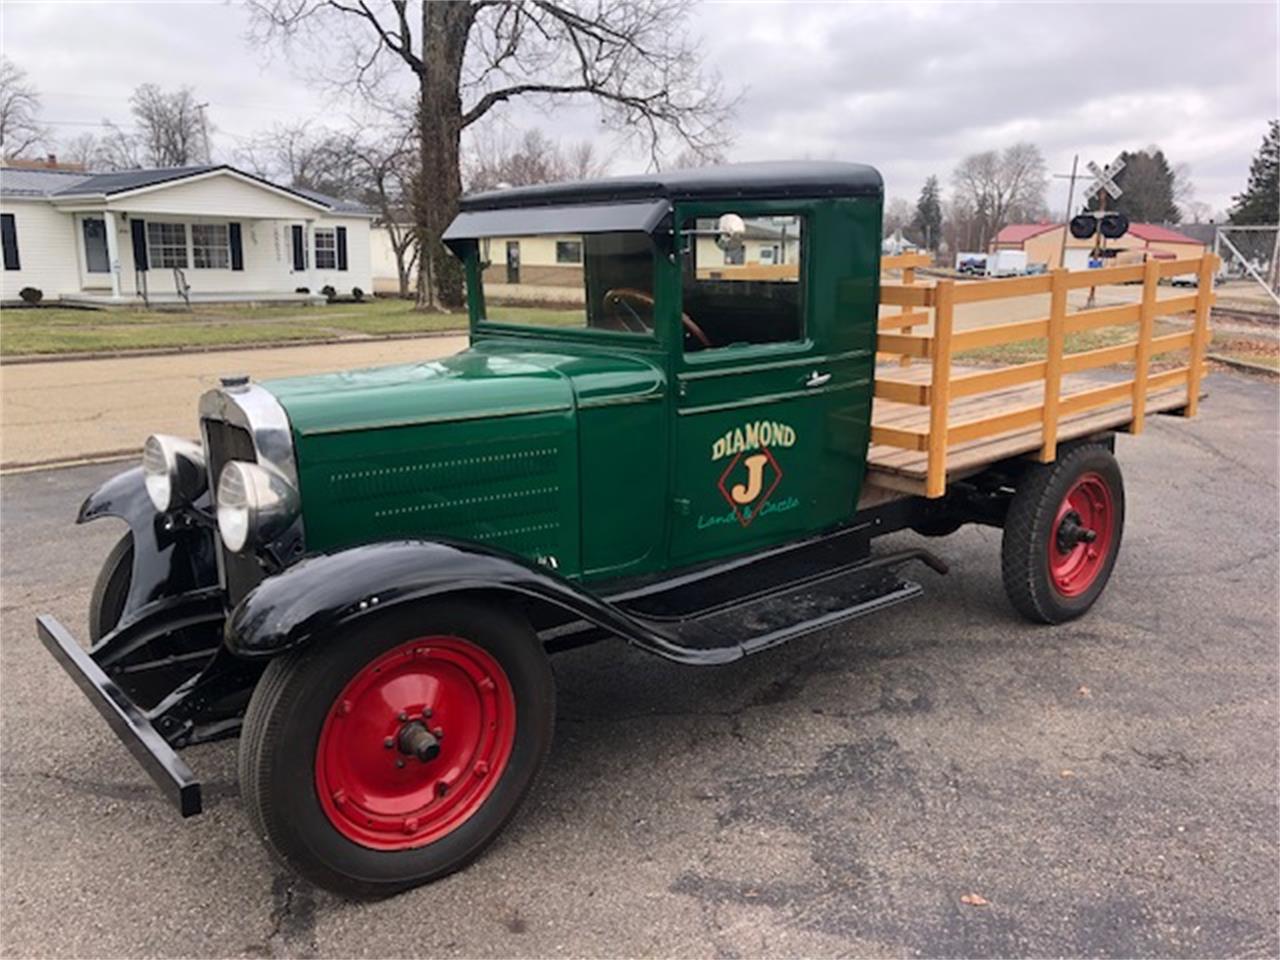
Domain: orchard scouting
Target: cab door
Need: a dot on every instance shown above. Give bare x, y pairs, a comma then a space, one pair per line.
754, 384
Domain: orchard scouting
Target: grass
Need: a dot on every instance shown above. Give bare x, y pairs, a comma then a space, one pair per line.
1026, 351
67, 330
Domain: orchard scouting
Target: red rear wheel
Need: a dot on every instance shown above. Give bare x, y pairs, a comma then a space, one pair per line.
1082, 532
415, 743
1062, 534
391, 753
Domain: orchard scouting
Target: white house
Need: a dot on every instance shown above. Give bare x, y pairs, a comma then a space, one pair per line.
144, 235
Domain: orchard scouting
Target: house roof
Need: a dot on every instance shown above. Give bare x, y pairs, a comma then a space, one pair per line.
18, 182
730, 181
1158, 233
1021, 232
57, 184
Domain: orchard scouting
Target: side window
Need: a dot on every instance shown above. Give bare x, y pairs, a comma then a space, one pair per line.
744, 289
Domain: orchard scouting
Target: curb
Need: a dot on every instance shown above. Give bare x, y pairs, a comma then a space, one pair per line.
223, 348
83, 460
1244, 365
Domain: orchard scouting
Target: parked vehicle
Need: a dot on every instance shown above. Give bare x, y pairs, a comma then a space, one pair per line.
1007, 263
971, 265
363, 574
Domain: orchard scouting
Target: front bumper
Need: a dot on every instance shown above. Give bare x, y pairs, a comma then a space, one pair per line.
126, 719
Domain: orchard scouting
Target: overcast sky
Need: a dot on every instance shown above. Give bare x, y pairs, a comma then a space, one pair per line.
908, 88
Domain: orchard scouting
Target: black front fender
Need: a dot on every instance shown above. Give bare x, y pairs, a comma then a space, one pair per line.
171, 554
319, 596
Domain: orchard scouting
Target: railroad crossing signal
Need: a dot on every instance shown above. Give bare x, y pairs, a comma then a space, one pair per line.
1104, 178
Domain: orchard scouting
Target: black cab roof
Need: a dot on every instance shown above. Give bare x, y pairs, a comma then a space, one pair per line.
758, 181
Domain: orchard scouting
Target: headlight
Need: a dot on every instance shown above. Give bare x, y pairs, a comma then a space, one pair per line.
173, 470
254, 505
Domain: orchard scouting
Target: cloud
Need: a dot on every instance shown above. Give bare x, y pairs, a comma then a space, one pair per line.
909, 88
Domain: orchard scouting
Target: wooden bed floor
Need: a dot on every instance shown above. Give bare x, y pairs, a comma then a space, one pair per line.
906, 470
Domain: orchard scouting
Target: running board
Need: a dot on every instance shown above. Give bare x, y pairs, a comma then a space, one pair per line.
781, 615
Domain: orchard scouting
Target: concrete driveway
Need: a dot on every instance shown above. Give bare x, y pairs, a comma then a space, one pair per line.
68, 410
1108, 786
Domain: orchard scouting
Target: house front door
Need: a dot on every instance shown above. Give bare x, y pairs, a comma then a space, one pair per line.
96, 258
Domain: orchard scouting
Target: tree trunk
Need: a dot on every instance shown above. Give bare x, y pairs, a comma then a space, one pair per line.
445, 28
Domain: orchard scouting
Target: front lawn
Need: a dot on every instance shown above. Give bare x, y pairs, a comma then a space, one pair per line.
25, 331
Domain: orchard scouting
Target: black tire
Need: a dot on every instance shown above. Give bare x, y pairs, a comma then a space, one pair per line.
111, 589
1032, 530
297, 692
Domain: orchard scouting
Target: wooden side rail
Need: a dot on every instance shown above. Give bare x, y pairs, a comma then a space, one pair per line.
1053, 403
907, 316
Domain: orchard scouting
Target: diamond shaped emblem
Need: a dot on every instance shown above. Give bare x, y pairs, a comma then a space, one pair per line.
749, 481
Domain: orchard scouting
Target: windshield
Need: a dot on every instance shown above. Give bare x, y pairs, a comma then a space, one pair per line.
590, 281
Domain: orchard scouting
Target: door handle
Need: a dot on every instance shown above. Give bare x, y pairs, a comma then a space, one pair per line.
817, 379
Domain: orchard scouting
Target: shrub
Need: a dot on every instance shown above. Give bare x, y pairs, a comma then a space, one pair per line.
31, 295
330, 294
301, 289
357, 294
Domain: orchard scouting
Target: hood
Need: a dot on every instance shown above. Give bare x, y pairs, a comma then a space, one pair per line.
467, 385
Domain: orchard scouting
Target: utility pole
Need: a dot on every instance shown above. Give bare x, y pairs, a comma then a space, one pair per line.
1071, 194
204, 132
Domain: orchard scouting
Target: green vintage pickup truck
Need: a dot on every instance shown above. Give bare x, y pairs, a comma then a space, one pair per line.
658, 435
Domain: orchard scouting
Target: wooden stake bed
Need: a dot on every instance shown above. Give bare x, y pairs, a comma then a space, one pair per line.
933, 422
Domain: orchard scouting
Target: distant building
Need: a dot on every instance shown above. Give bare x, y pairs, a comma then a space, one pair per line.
1042, 243
224, 235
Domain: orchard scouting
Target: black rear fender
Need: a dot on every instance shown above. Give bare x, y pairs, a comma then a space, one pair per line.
172, 554
318, 597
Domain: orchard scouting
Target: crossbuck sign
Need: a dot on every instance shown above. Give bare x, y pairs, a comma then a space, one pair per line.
1104, 178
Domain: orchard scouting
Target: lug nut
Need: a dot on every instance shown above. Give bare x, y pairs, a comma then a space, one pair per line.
403, 716
426, 712
400, 762
389, 742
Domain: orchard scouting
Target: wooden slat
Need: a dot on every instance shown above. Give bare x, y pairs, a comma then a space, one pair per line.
1200, 340
897, 437
968, 384
900, 391
1167, 378
1172, 341
1176, 305
998, 334
973, 292
905, 261
897, 295
1053, 364
898, 320
1103, 276
1088, 359
1097, 397
1146, 328
1103, 317
944, 316
911, 344
995, 424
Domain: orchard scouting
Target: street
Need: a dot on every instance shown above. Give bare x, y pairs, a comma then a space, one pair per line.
1105, 788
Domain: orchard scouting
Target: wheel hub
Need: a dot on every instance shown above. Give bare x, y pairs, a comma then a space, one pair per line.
1083, 534
387, 777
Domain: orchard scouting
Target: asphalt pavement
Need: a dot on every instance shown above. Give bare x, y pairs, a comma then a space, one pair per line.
1104, 788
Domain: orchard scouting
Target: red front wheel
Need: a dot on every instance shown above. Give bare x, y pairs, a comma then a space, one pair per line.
1062, 534
393, 755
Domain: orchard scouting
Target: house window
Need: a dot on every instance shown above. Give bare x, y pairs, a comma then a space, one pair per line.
326, 249
167, 244
568, 251
210, 246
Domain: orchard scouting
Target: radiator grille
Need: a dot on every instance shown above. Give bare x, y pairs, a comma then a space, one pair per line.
240, 572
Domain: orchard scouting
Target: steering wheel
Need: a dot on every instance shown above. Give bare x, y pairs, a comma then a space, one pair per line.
621, 299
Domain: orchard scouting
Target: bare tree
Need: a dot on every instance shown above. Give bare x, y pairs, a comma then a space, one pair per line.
303, 155
637, 60
496, 160
171, 126
20, 127
898, 215
118, 149
387, 170
997, 188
